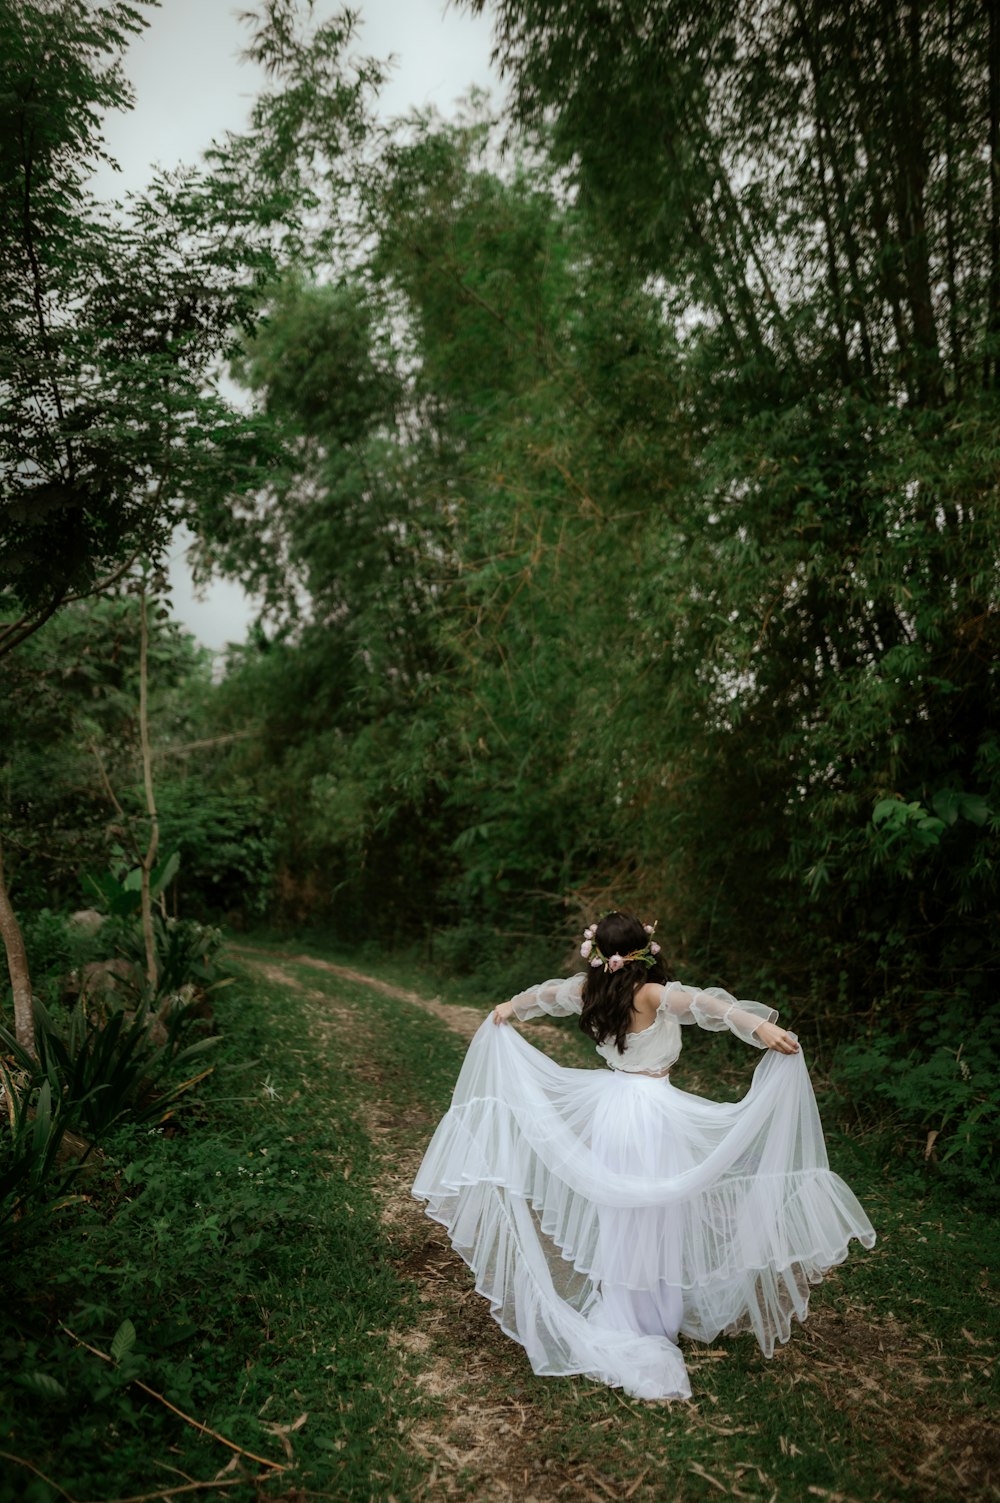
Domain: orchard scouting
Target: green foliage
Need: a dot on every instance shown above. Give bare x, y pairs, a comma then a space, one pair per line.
33, 1184
58, 949
121, 896
110, 323
648, 547
939, 1083
905, 832
488, 959
223, 835
267, 1203
103, 1068
69, 701
187, 954
72, 796
104, 1063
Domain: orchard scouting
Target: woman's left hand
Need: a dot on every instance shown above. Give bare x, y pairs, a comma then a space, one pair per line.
503, 1012
773, 1037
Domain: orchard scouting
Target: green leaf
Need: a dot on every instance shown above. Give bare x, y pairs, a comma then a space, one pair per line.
951, 805
161, 876
43, 1385
884, 809
124, 1340
974, 808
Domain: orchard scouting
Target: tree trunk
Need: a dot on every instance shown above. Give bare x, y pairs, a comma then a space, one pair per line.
991, 364
17, 965
912, 183
827, 147
950, 205
149, 859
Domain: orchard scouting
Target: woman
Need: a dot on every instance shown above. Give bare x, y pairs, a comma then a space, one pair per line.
605, 1213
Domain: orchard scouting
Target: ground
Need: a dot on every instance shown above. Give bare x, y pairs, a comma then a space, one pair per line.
881, 1395
245, 1303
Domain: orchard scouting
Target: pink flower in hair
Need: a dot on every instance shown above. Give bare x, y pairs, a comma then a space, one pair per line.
597, 960
648, 928
654, 948
586, 948
615, 962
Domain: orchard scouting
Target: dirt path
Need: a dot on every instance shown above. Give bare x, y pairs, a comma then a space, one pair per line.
463, 1020
476, 1447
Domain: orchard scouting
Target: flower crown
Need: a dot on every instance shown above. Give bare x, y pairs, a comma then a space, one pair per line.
590, 952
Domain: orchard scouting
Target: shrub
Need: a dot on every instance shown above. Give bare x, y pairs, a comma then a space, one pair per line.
187, 953
492, 960
57, 948
227, 853
100, 1069
32, 1182
946, 1089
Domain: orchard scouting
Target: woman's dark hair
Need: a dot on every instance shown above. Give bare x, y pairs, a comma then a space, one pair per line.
608, 995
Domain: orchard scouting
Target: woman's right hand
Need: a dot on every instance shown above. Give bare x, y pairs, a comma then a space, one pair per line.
503, 1012
773, 1037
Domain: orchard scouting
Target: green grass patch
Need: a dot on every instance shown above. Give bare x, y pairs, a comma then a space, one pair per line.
244, 1245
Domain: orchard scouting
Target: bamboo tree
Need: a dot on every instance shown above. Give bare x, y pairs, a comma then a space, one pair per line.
145, 743
991, 360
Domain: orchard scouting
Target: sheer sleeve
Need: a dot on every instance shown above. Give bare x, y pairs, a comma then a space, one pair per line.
558, 998
712, 1008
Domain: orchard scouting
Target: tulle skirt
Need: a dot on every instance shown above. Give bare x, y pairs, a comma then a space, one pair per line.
604, 1214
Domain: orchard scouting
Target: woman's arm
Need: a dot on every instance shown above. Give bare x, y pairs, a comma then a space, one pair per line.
714, 1009
557, 998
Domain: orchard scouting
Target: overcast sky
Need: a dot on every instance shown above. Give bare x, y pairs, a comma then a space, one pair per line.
191, 87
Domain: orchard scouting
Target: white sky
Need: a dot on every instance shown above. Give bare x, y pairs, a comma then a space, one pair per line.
191, 87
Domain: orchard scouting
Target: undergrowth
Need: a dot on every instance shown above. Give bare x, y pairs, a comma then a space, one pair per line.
242, 1244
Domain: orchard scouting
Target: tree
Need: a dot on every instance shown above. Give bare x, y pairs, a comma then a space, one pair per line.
112, 324
475, 404
637, 475
813, 191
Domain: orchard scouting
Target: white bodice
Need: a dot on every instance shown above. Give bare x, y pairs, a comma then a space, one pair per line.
656, 1048
651, 1049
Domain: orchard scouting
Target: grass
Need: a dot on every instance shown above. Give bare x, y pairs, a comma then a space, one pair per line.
244, 1244
274, 1266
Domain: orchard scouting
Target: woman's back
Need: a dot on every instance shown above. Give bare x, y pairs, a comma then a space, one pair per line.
652, 1041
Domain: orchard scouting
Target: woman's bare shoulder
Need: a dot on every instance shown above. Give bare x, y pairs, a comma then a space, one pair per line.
647, 999
650, 991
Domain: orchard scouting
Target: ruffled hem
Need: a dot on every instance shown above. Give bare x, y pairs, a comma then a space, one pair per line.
561, 1331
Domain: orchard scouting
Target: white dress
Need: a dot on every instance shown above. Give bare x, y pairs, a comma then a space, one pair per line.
605, 1212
